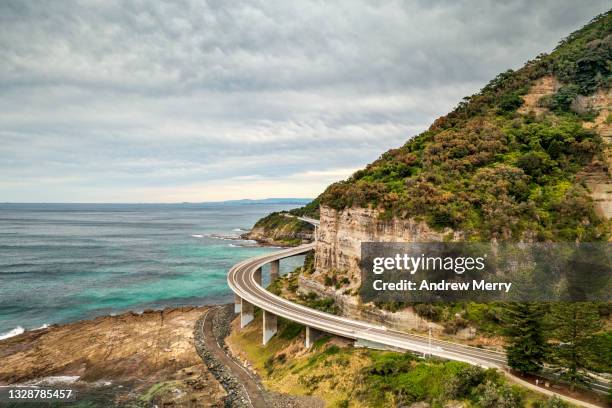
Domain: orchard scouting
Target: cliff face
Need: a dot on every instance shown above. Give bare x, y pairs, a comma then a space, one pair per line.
598, 175
337, 256
338, 246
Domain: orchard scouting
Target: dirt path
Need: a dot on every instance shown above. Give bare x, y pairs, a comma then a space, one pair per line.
252, 387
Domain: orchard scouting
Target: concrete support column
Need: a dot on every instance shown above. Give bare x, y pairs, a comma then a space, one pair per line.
257, 276
269, 326
247, 313
312, 335
237, 304
274, 269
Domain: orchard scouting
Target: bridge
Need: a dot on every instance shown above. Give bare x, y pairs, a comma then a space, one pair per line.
245, 280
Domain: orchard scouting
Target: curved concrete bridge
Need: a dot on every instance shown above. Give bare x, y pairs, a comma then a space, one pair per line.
244, 279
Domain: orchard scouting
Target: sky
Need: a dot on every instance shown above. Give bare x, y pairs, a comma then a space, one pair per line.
136, 101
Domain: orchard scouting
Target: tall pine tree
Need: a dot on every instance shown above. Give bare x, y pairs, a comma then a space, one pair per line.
574, 327
526, 347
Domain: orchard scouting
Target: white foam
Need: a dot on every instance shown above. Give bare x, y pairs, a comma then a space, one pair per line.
224, 237
15, 332
197, 235
44, 326
54, 379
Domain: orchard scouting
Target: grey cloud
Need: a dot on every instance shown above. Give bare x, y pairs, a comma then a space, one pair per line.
127, 94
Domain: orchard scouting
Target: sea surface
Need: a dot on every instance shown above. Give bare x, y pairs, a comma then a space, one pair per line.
66, 262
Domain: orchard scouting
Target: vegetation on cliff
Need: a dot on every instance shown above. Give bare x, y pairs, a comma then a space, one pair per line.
283, 228
490, 171
510, 163
280, 228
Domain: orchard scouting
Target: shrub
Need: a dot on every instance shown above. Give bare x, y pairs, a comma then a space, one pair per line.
499, 396
510, 103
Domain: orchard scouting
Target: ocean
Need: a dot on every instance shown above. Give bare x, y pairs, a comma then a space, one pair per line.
66, 262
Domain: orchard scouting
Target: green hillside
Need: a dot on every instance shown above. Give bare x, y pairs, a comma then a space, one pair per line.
490, 171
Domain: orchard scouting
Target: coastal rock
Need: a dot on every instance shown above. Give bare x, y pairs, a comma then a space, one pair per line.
280, 229
148, 357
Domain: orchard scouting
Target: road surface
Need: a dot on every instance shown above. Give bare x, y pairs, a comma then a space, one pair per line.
242, 281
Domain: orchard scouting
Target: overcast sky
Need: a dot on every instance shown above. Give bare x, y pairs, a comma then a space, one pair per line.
121, 101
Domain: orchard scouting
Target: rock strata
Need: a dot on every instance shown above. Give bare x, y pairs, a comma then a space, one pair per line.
136, 359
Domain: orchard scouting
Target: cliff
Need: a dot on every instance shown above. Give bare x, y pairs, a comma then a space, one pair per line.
527, 158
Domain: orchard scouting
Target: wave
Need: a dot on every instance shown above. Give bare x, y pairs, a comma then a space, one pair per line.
224, 237
247, 243
240, 230
197, 235
15, 332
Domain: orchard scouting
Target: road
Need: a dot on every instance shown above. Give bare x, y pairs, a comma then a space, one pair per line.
242, 281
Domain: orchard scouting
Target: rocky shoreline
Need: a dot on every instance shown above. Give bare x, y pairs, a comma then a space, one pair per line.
236, 394
154, 358
236, 389
132, 359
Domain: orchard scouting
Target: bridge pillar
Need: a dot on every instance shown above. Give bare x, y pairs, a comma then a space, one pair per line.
247, 313
312, 335
274, 269
269, 326
237, 304
257, 276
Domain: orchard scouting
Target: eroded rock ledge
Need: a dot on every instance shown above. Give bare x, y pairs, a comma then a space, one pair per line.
140, 359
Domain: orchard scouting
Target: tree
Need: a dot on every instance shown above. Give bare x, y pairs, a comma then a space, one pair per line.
526, 341
574, 327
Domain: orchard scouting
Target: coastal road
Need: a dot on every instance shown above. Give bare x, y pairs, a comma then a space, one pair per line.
242, 280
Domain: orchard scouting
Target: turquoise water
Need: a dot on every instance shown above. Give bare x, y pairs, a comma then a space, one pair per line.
66, 262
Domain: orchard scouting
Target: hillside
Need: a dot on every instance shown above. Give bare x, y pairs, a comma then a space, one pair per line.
525, 158
283, 228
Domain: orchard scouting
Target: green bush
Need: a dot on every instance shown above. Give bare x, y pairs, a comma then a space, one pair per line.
510, 103
494, 395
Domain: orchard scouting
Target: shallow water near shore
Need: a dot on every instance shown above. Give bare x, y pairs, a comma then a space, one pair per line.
67, 262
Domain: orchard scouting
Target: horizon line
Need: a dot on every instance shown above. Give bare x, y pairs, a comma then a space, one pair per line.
161, 202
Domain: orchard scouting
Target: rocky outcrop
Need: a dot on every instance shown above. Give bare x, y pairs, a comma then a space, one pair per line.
278, 237
545, 86
338, 252
280, 229
148, 356
598, 175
